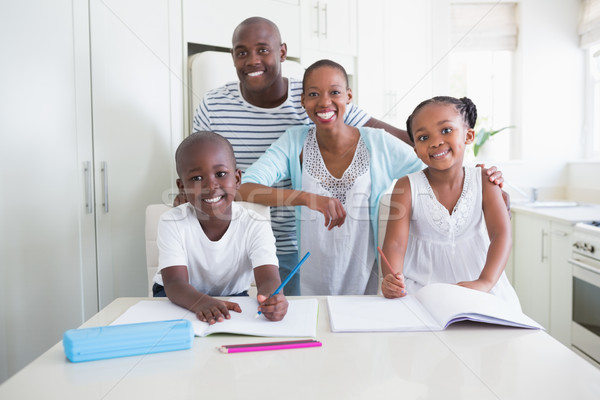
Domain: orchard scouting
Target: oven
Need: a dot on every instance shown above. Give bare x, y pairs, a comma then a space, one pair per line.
585, 261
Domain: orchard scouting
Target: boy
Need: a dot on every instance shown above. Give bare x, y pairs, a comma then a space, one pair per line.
210, 245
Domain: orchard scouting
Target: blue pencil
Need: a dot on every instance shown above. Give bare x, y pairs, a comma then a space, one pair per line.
287, 278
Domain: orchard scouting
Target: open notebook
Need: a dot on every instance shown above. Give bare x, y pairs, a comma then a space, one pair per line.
300, 320
432, 308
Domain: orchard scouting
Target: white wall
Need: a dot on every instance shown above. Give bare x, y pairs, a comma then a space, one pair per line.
549, 96
584, 182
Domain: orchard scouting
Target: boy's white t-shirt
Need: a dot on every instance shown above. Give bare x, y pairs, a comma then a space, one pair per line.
217, 268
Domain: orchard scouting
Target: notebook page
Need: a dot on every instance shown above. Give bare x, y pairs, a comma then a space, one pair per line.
300, 320
448, 303
378, 314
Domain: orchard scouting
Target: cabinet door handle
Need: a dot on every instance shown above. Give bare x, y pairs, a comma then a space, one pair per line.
104, 169
325, 21
544, 234
87, 171
318, 13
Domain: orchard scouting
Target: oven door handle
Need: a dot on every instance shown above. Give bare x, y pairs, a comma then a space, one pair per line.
584, 266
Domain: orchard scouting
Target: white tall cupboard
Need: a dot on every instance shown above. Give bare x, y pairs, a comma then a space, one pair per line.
90, 99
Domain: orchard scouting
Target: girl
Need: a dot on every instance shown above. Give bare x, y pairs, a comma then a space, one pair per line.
338, 173
437, 228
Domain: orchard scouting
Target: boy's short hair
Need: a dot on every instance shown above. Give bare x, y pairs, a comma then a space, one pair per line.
200, 137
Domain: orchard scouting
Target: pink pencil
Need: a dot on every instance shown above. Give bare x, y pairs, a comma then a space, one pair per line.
387, 263
281, 346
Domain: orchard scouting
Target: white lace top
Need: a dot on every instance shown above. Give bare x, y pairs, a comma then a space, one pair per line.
342, 260
315, 166
444, 247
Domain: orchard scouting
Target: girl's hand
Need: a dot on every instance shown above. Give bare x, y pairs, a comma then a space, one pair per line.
478, 284
331, 208
393, 286
208, 309
273, 308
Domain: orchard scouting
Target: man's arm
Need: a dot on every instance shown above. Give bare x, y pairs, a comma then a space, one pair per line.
399, 133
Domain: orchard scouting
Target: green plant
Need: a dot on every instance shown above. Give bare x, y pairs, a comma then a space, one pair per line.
483, 135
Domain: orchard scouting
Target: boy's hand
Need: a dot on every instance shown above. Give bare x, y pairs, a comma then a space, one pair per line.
393, 286
208, 309
273, 308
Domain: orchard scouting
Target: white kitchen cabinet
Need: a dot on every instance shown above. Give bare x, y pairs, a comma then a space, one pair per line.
43, 229
542, 275
83, 85
561, 282
329, 30
136, 66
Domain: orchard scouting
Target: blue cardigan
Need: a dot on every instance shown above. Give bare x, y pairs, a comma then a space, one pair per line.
390, 159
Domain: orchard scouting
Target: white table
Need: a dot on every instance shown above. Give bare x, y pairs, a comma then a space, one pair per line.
466, 361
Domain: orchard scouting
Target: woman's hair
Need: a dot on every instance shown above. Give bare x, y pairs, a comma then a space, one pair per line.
324, 63
464, 106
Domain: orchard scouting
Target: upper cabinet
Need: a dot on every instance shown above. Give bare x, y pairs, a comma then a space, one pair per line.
329, 30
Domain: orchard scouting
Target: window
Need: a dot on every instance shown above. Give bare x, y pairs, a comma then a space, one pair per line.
589, 34
486, 78
481, 67
592, 113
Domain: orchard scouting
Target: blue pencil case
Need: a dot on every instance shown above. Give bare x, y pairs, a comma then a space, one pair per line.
103, 342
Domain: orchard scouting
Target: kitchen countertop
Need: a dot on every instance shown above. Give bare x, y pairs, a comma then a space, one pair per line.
582, 212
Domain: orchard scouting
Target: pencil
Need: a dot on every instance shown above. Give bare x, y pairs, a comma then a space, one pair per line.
387, 263
385, 260
287, 278
229, 346
272, 346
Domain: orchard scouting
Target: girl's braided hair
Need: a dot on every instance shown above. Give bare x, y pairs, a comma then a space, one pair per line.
464, 106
